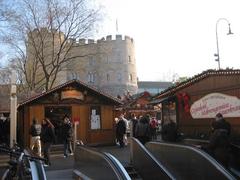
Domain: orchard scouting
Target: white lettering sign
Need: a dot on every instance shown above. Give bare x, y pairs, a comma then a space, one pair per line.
211, 104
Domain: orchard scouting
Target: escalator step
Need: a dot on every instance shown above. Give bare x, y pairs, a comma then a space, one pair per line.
133, 173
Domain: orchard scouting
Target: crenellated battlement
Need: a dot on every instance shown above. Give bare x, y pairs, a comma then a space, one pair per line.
106, 39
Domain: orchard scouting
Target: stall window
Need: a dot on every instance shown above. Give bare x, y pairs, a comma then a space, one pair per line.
95, 114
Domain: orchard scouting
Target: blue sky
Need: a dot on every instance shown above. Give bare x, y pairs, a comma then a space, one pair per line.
176, 37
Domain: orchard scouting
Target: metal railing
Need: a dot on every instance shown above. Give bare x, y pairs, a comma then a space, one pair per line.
146, 164
97, 165
187, 162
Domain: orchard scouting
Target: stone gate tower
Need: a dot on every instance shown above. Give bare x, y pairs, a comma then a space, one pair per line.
109, 64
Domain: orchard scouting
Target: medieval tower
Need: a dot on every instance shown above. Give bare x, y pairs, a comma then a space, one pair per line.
109, 64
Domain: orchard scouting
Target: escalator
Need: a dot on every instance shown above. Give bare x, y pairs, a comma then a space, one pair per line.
234, 154
93, 164
156, 160
186, 162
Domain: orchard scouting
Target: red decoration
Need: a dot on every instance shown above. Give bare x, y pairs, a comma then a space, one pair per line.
76, 120
186, 102
183, 101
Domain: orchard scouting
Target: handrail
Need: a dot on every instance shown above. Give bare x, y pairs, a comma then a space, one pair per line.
16, 154
115, 165
155, 168
194, 150
118, 166
37, 169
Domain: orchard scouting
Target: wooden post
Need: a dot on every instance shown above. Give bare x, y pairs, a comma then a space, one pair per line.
13, 111
75, 134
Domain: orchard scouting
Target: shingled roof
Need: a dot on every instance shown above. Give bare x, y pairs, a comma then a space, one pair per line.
205, 74
33, 98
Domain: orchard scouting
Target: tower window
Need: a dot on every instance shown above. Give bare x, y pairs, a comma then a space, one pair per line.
91, 61
91, 77
119, 77
129, 59
108, 77
130, 77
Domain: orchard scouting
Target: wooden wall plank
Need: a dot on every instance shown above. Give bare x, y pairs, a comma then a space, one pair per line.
107, 117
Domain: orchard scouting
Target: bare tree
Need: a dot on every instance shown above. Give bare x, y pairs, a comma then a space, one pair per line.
41, 35
5, 75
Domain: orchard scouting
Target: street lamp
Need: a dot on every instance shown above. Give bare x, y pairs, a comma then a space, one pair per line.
217, 55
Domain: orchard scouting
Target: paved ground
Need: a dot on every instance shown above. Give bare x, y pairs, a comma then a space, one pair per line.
61, 167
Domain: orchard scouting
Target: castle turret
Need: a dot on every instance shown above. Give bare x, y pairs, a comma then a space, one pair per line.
109, 64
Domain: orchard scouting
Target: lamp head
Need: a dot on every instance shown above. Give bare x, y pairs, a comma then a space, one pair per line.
229, 30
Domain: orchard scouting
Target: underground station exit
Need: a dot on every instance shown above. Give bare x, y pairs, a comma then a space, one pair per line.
155, 160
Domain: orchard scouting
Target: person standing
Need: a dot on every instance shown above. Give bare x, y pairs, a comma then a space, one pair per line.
47, 138
120, 131
169, 131
153, 126
35, 131
219, 143
67, 132
1, 130
142, 130
134, 122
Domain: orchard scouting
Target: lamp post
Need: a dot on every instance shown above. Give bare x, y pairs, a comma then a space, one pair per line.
217, 55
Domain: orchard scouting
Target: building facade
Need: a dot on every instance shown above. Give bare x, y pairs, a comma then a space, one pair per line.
109, 64
153, 87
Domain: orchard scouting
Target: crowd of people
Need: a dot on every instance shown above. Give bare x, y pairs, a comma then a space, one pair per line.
43, 136
144, 128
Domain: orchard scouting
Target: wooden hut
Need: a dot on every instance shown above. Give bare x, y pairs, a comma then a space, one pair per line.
91, 111
194, 103
139, 105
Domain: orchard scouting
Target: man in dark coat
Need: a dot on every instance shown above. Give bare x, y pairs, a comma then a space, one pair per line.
1, 131
169, 131
120, 131
134, 122
47, 138
142, 130
219, 144
67, 133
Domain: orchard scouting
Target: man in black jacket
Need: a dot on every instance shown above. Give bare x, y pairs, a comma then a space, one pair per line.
219, 144
120, 131
169, 131
67, 133
47, 138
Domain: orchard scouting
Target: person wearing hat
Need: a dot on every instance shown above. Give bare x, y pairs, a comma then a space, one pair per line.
219, 143
221, 123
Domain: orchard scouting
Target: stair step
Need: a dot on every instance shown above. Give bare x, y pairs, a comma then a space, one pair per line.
132, 173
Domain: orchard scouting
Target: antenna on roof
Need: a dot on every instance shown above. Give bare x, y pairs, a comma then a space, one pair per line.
116, 25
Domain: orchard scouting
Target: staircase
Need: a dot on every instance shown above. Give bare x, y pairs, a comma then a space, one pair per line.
4, 159
57, 150
133, 173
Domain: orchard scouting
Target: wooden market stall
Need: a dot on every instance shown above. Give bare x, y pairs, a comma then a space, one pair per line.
91, 111
139, 105
194, 103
